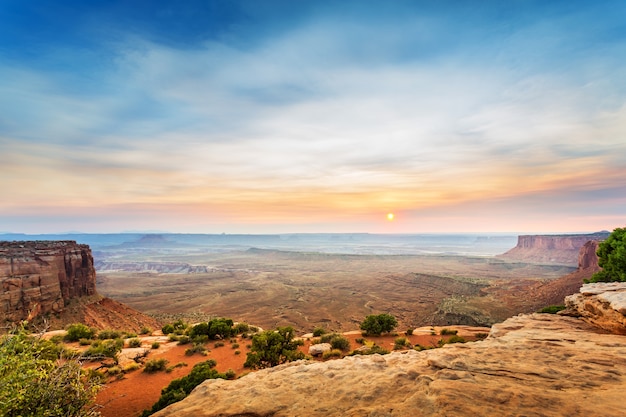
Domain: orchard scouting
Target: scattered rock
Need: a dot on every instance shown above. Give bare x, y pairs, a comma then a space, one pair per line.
319, 349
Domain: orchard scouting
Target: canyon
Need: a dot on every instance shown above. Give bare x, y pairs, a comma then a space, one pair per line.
558, 249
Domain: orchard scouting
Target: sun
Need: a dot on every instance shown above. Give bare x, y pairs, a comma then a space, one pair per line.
390, 216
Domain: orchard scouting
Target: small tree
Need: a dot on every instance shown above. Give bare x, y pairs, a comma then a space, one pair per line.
34, 382
375, 324
273, 347
78, 331
612, 258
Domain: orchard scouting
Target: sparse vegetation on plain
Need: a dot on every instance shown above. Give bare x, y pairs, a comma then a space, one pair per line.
273, 347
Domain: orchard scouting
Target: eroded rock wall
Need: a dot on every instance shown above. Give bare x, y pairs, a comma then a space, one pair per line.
41, 277
602, 304
561, 249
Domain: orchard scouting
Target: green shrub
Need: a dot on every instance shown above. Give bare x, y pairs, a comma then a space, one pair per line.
552, 309
409, 332
445, 332
334, 353
109, 334
155, 345
155, 365
318, 331
230, 374
134, 343
145, 331
214, 329
400, 343
241, 328
218, 344
34, 382
237, 352
340, 342
612, 258
196, 348
131, 366
184, 339
85, 342
178, 389
234, 345
360, 340
167, 329
451, 339
273, 347
103, 349
172, 337
78, 331
378, 324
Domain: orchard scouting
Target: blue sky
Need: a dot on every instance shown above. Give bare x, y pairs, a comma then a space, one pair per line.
312, 116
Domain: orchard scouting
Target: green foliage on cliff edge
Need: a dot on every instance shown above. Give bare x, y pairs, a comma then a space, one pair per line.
377, 324
34, 382
612, 258
273, 347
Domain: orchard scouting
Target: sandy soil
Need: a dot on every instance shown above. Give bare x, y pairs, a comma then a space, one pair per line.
137, 391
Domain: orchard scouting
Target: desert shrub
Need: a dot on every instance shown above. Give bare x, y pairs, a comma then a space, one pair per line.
237, 352
155, 345
131, 366
218, 344
85, 342
114, 370
481, 336
56, 339
234, 345
445, 332
451, 339
179, 388
200, 339
196, 348
241, 328
318, 331
184, 339
400, 343
128, 335
172, 337
103, 349
273, 347
167, 329
340, 342
78, 331
134, 343
145, 330
374, 349
376, 324
612, 258
214, 329
109, 334
155, 365
334, 353
409, 332
552, 309
34, 382
230, 374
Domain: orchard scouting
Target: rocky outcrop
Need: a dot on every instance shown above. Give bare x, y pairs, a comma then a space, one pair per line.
532, 365
601, 304
588, 256
41, 277
560, 249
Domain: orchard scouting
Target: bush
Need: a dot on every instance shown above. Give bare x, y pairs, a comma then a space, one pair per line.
85, 342
145, 330
155, 345
184, 339
105, 349
235, 346
552, 309
131, 366
218, 344
155, 365
318, 331
481, 336
378, 324
134, 343
409, 332
35, 383
215, 329
273, 347
109, 334
78, 331
167, 329
445, 332
339, 342
196, 348
360, 340
401, 343
180, 388
334, 353
612, 258
241, 328
452, 339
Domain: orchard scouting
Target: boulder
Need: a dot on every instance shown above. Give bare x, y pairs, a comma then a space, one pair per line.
319, 349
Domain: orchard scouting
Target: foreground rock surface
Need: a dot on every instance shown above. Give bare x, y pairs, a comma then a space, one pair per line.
531, 365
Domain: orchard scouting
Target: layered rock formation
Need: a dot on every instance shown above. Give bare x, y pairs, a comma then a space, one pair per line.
560, 249
530, 365
602, 304
41, 277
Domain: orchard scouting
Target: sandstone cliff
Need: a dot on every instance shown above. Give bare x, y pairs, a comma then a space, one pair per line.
559, 249
41, 277
530, 365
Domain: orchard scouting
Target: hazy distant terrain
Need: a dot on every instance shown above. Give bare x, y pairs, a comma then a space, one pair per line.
293, 282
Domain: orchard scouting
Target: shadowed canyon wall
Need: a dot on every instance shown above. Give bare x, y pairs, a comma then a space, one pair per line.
40, 277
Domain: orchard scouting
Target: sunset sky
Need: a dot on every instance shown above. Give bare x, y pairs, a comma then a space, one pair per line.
312, 116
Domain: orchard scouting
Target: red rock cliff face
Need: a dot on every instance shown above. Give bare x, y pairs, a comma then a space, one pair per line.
41, 277
562, 249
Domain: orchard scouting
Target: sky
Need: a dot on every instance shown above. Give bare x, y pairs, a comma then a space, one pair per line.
312, 116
